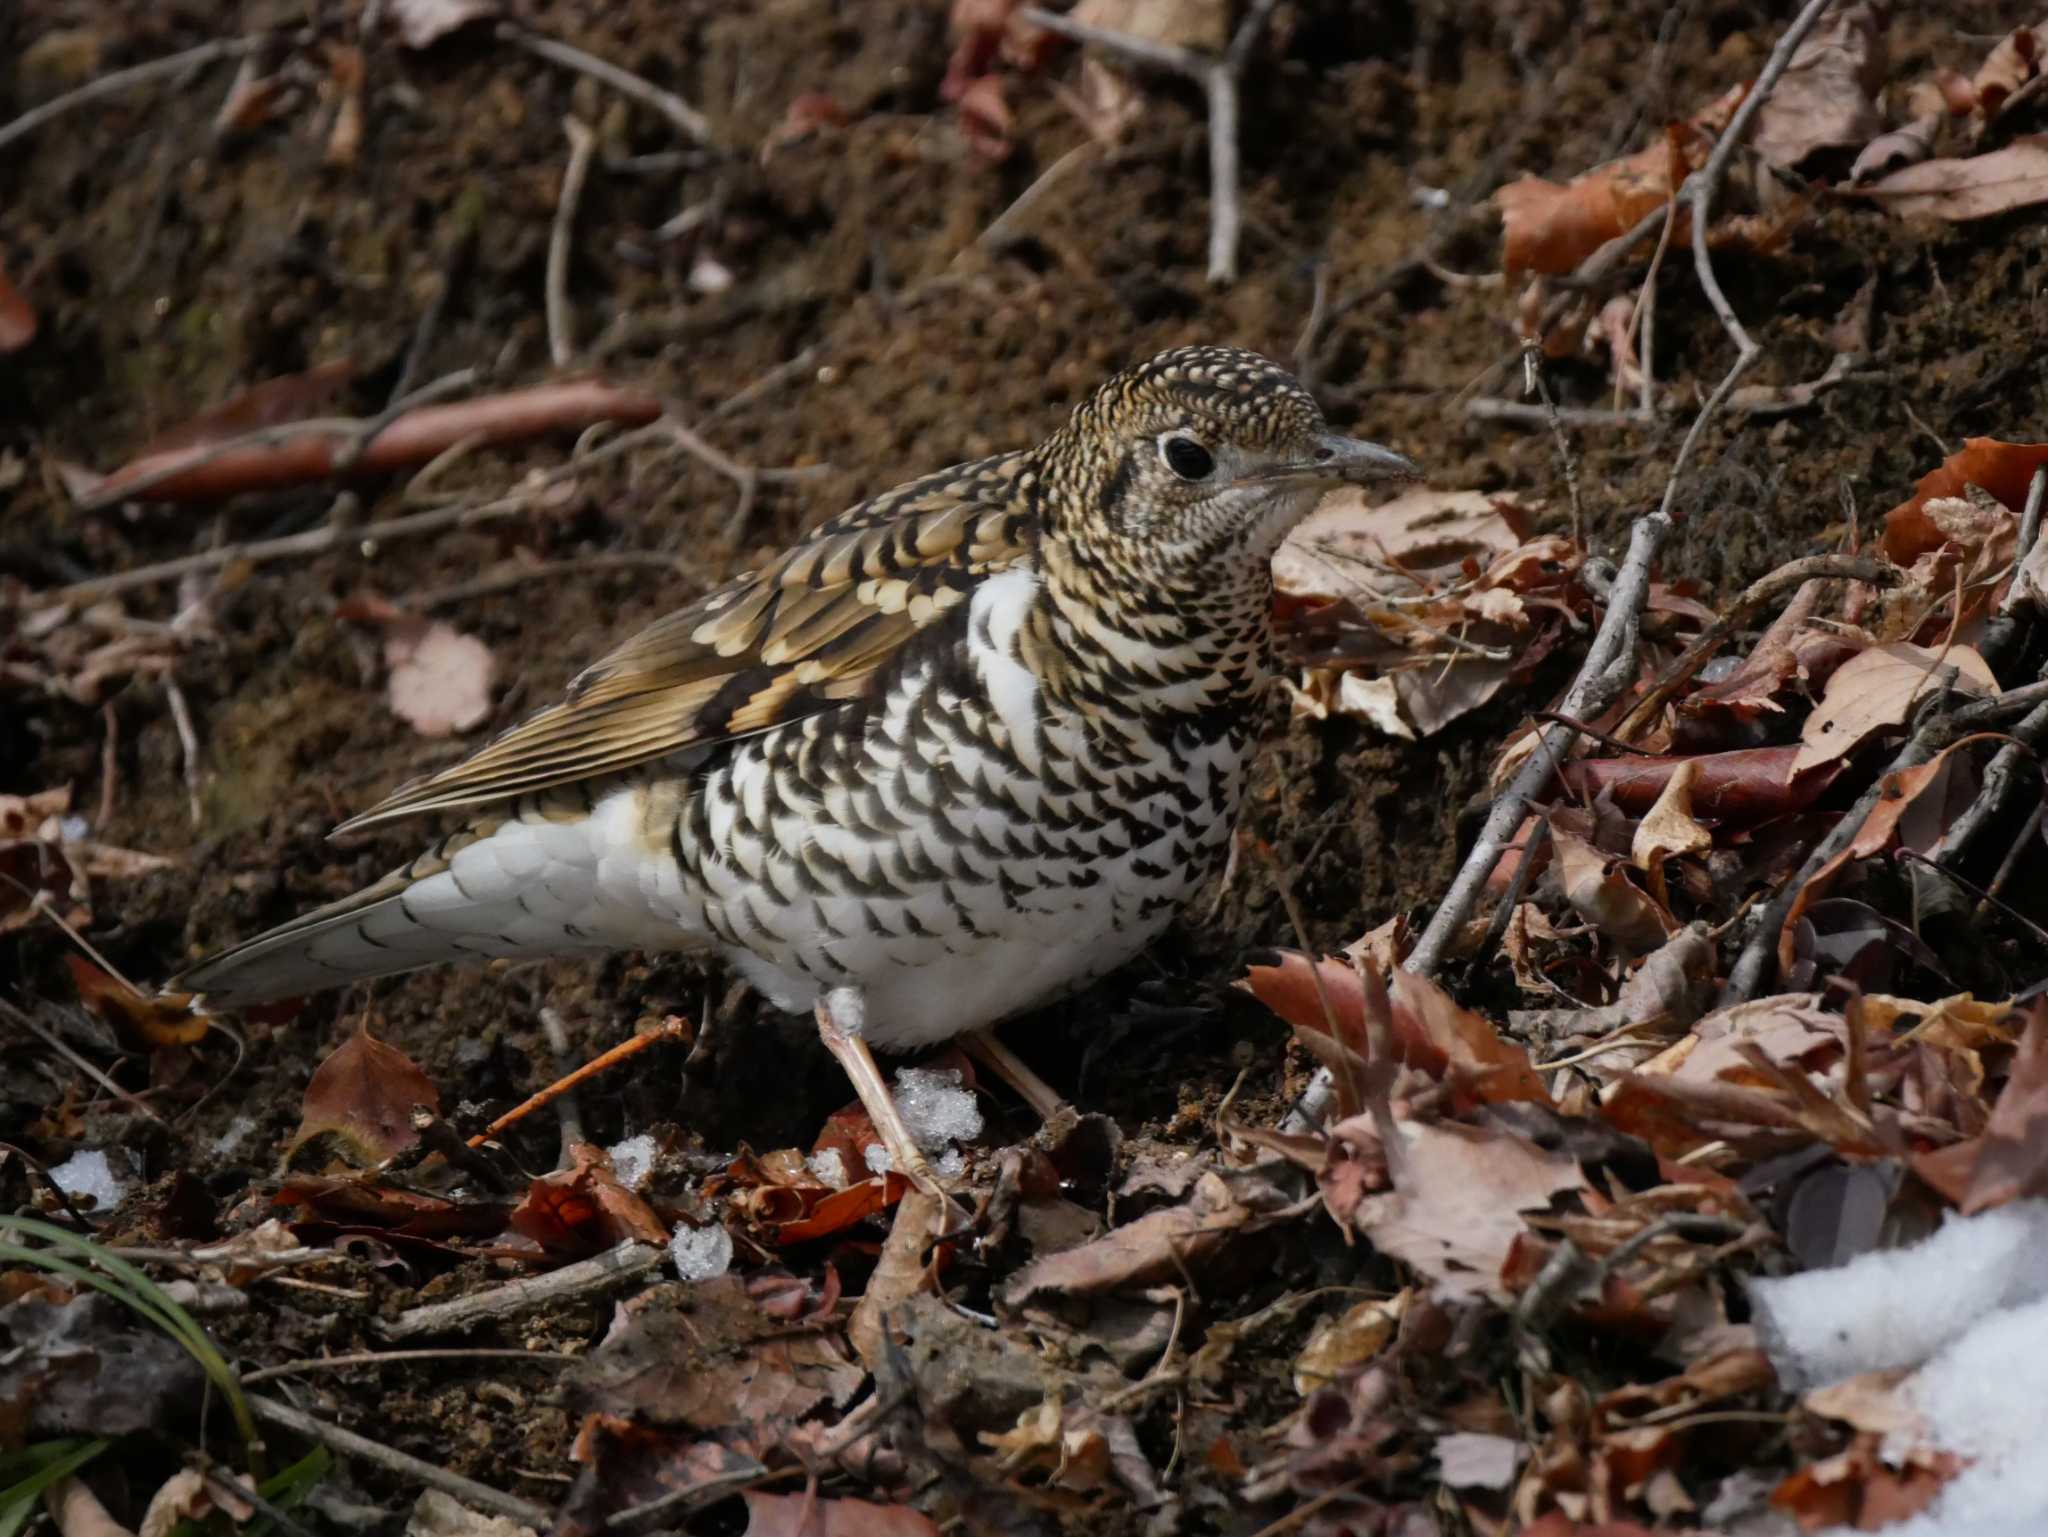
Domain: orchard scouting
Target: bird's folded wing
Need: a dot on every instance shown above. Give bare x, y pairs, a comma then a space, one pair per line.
803, 634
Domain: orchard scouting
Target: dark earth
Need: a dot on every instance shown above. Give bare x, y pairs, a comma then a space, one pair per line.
170, 270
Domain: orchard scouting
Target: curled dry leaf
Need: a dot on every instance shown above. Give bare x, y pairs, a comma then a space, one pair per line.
583, 1208
1826, 99
440, 678
2014, 61
1350, 1339
1669, 829
165, 1020
363, 1094
1749, 784
1894, 151
1976, 188
1550, 229
2003, 469
1603, 895
1877, 690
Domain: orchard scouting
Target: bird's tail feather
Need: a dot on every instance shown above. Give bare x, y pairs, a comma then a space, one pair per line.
529, 884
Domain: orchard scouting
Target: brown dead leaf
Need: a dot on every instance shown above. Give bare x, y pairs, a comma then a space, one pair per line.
1749, 784
708, 1355
898, 1275
2013, 1161
440, 678
1894, 151
808, 1515
1160, 1246
2001, 468
17, 317
1603, 895
2014, 61
1877, 690
584, 1208
1350, 1339
164, 1020
1976, 188
1549, 228
363, 1094
1458, 1209
1669, 829
1348, 543
1826, 97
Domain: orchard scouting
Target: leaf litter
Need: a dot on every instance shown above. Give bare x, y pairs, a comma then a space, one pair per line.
1525, 1273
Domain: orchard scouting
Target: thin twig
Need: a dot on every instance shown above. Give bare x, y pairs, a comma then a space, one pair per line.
1489, 408
1699, 192
1532, 371
188, 743
775, 378
1607, 670
562, 324
667, 103
318, 541
1218, 79
48, 1038
672, 1028
127, 79
567, 1108
1936, 732
349, 1444
1793, 574
1003, 227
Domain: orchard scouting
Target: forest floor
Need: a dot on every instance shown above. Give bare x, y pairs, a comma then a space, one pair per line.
856, 294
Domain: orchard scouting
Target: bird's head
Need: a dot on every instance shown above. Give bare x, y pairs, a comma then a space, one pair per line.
1202, 455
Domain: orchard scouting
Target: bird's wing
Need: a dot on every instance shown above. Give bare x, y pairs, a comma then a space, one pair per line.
801, 635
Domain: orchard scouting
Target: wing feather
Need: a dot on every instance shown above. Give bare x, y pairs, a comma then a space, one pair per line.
804, 634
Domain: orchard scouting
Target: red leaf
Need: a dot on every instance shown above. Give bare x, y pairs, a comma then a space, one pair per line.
364, 1094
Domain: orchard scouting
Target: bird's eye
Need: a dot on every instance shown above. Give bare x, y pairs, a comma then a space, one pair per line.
1187, 458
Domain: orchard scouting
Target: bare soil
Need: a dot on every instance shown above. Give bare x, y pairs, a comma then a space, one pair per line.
170, 270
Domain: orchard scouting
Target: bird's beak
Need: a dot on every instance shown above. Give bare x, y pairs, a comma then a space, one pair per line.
1339, 461
1353, 461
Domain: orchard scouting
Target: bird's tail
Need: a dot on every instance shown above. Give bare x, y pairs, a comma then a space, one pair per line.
529, 884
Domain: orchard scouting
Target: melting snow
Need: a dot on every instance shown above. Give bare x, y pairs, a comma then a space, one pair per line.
700, 1252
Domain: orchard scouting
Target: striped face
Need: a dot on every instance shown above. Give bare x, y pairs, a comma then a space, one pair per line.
1199, 454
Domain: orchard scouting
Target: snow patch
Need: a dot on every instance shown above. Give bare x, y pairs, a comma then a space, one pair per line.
700, 1252
632, 1160
87, 1174
828, 1168
1968, 1306
935, 1108
1898, 1307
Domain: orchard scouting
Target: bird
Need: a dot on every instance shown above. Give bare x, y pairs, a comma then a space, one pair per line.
963, 750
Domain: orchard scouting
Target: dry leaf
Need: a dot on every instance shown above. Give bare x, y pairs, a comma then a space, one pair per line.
164, 1020
1549, 228
2013, 177
583, 1208
440, 677
1825, 98
1350, 1339
1458, 1209
809, 1515
1601, 894
1877, 690
1669, 829
364, 1094
2003, 469
17, 317
1894, 151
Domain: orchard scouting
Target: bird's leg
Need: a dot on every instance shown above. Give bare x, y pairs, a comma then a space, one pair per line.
992, 1054
842, 1015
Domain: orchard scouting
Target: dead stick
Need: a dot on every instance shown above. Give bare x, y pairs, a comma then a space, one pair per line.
1699, 191
1218, 78
671, 1029
624, 1262
349, 1444
561, 323
625, 82
126, 79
